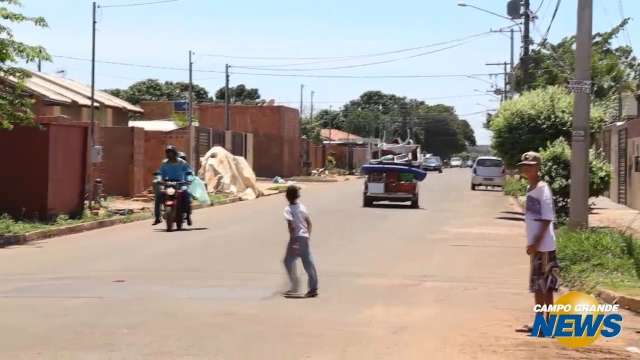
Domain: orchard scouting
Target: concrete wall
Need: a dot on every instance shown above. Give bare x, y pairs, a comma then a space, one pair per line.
275, 132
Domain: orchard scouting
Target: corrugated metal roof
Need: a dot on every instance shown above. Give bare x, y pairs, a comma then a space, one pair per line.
101, 97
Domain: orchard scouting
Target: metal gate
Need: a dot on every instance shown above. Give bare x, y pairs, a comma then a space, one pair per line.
622, 166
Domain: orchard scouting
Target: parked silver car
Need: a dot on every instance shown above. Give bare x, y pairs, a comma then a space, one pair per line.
488, 171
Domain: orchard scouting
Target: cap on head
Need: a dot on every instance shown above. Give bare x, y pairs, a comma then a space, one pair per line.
531, 158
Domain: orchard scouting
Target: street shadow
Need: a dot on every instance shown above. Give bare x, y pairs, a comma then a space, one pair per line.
519, 213
394, 206
183, 229
195, 229
510, 218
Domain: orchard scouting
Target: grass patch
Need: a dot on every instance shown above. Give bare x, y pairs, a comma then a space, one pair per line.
599, 258
278, 187
515, 186
11, 226
216, 198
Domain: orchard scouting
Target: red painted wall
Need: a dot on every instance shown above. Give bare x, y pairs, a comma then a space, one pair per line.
48, 170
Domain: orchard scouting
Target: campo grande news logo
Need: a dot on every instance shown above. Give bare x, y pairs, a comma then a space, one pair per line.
577, 320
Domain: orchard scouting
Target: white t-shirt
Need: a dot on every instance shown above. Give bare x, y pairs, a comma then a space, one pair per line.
540, 207
298, 215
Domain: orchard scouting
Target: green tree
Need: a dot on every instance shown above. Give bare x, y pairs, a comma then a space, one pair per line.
328, 119
436, 127
534, 119
311, 130
239, 94
15, 107
155, 90
466, 132
612, 68
556, 171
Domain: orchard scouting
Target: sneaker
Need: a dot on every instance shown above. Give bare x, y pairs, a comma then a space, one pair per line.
156, 222
311, 293
290, 292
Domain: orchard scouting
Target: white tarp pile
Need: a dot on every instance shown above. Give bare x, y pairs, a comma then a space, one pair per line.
224, 172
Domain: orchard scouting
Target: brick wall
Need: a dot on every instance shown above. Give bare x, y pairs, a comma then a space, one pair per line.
157, 110
155, 143
275, 132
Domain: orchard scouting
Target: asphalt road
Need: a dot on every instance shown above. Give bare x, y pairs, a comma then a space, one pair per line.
447, 281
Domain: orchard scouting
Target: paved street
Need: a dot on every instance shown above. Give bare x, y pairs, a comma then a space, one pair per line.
448, 281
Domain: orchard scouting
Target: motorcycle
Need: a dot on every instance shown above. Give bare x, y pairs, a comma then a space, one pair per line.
175, 211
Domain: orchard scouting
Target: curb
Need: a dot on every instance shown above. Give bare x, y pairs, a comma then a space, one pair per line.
11, 240
626, 302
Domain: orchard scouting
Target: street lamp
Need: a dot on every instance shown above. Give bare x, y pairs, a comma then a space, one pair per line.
464, 4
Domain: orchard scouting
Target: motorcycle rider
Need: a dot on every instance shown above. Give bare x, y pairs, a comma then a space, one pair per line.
183, 156
172, 169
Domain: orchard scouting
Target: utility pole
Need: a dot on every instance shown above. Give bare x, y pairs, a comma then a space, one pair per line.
511, 76
226, 97
93, 75
190, 89
311, 116
89, 187
506, 78
192, 135
301, 100
526, 42
581, 87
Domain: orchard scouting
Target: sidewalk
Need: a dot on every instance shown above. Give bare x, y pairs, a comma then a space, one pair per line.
606, 213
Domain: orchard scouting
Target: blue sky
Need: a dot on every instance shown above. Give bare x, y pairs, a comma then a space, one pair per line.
162, 34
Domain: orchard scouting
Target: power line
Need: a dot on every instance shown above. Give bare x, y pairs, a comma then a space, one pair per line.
553, 17
159, 67
357, 65
472, 76
349, 57
626, 31
137, 4
420, 99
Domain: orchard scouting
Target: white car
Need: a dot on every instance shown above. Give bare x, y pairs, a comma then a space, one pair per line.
455, 162
488, 171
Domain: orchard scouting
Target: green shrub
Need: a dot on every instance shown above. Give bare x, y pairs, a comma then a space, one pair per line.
556, 171
515, 186
596, 258
534, 119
